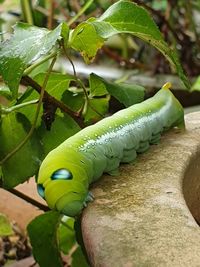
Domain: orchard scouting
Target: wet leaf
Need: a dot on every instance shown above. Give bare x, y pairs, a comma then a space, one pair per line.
27, 44
123, 17
127, 94
43, 236
14, 127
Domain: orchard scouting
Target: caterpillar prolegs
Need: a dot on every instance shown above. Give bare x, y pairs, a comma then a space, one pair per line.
68, 170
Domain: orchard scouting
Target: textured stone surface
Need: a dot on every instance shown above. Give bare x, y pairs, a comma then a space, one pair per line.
141, 218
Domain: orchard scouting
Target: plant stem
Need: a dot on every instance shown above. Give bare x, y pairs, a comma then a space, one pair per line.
29, 199
28, 81
32, 67
26, 11
20, 145
78, 81
16, 107
51, 13
81, 11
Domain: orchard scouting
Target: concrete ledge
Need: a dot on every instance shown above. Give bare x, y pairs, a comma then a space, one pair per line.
141, 218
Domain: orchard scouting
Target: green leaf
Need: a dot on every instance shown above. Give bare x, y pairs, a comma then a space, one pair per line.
67, 242
43, 236
196, 85
86, 40
73, 100
57, 84
5, 91
66, 235
5, 226
62, 128
123, 17
25, 162
96, 109
127, 94
78, 259
27, 45
97, 87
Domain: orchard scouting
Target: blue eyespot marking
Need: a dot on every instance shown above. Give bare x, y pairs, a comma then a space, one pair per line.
62, 174
40, 189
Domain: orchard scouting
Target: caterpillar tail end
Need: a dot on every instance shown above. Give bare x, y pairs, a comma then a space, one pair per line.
181, 125
167, 86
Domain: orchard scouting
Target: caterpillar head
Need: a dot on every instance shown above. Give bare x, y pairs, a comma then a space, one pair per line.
63, 182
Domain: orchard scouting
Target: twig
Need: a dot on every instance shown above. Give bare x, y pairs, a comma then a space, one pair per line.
116, 57
29, 199
22, 143
78, 81
16, 107
28, 81
81, 11
51, 14
26, 11
35, 65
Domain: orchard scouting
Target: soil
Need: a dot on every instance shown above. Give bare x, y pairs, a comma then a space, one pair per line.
14, 247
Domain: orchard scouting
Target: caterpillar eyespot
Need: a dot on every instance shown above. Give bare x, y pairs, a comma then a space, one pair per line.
40, 189
62, 174
68, 170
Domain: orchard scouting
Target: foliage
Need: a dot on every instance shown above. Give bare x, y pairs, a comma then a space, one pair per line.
69, 103
5, 226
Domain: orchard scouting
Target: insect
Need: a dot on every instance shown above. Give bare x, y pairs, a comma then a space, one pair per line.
68, 170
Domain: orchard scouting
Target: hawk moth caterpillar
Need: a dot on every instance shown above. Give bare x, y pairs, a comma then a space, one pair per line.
68, 170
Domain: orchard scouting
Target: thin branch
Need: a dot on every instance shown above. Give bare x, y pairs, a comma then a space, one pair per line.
27, 11
78, 81
21, 144
32, 67
116, 57
51, 14
28, 81
29, 199
81, 11
16, 107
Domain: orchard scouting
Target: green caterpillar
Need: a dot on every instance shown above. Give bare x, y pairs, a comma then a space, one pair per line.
67, 171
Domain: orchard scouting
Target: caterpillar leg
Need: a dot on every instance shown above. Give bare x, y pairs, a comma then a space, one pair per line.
89, 198
114, 172
129, 156
144, 146
155, 139
181, 124
112, 165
